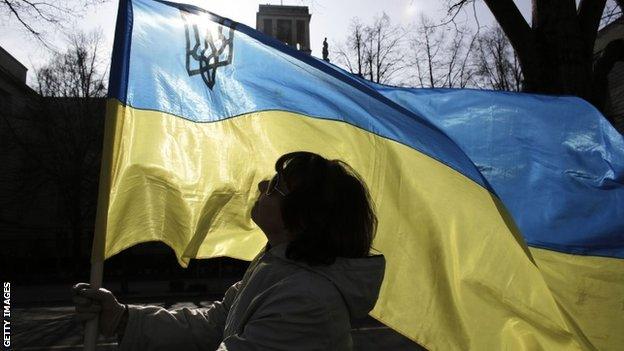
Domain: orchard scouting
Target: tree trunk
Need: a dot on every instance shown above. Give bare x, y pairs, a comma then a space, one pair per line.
359, 55
556, 53
564, 56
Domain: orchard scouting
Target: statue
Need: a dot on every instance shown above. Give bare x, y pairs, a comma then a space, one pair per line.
325, 51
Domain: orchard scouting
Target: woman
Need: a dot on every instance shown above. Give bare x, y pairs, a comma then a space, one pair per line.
299, 293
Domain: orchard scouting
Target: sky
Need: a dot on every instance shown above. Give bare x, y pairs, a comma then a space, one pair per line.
330, 18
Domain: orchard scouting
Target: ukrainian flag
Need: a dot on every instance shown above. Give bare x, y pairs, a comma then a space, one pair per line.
200, 107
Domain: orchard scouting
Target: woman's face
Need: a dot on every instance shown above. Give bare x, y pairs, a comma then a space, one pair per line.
266, 213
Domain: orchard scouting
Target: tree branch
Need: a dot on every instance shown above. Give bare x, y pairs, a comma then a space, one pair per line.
453, 11
517, 31
511, 21
589, 15
14, 11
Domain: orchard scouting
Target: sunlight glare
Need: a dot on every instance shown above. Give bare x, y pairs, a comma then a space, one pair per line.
411, 8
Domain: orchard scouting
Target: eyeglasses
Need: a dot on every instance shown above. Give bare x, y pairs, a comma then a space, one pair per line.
273, 186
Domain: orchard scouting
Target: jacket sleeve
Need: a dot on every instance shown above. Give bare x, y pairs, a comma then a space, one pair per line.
153, 328
287, 320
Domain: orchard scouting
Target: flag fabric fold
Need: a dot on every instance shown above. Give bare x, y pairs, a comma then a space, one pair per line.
200, 107
558, 166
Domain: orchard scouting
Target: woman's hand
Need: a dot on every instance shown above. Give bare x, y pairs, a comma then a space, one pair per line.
91, 302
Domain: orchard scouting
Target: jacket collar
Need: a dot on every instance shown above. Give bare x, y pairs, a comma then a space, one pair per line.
278, 250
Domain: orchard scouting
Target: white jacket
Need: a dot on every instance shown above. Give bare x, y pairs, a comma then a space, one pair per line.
280, 304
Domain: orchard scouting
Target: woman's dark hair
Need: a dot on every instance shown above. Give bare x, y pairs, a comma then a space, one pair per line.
327, 207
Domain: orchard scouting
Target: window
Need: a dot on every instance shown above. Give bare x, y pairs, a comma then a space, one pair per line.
268, 26
284, 31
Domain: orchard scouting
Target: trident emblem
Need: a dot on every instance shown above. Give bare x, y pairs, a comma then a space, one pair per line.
205, 55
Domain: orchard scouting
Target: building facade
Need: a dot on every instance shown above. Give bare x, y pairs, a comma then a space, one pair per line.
288, 24
15, 95
40, 149
614, 103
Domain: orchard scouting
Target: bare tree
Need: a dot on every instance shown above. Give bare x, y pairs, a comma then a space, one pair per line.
496, 62
440, 55
555, 52
427, 44
373, 51
613, 10
386, 57
369, 53
36, 16
79, 72
351, 54
57, 144
459, 73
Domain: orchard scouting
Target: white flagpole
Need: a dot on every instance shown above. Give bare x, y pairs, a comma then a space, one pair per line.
99, 236
101, 218
113, 111
91, 328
